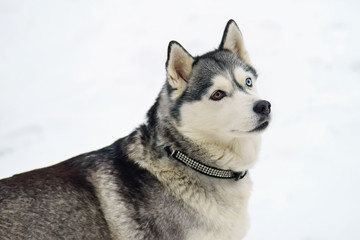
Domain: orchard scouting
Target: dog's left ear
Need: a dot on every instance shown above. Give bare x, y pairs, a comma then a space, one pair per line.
178, 67
233, 41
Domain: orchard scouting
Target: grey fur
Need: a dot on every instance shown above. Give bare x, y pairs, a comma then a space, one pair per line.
131, 189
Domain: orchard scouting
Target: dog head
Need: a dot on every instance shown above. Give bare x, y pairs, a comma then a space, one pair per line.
215, 95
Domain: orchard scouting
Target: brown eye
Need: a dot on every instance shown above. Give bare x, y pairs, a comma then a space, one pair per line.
218, 95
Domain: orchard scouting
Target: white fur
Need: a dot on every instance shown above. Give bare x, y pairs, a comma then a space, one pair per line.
227, 217
223, 126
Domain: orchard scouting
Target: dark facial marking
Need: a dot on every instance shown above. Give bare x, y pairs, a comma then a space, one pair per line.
237, 84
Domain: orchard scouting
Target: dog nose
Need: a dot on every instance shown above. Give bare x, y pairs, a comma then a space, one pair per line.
262, 107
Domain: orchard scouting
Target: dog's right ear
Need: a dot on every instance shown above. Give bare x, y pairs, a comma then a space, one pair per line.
178, 67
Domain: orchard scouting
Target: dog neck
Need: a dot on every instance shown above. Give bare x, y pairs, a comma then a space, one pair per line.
237, 154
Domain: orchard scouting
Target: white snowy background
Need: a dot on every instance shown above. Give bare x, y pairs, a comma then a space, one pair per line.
75, 75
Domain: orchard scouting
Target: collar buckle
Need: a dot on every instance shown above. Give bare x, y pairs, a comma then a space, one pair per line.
239, 175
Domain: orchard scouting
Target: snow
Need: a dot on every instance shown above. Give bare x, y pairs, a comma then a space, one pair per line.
77, 75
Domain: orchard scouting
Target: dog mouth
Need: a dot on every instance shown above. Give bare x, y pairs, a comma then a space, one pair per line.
261, 127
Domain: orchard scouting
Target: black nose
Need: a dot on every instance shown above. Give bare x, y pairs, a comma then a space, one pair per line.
262, 107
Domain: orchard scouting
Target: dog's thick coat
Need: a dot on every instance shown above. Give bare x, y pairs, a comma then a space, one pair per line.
208, 109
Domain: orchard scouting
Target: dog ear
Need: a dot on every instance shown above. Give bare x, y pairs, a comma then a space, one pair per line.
178, 66
233, 41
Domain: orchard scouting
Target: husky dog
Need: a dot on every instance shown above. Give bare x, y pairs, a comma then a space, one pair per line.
181, 175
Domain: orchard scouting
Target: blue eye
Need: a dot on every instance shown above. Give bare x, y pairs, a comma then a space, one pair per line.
248, 82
